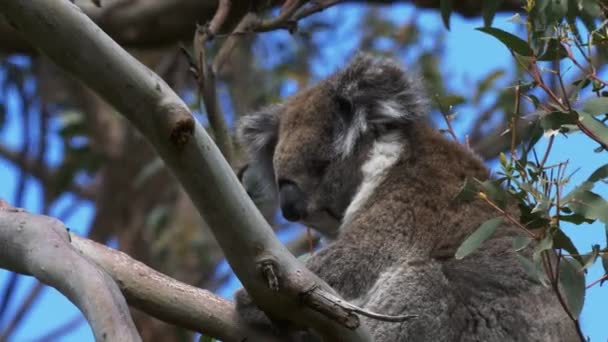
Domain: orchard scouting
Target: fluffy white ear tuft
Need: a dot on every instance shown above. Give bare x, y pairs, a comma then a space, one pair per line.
258, 131
381, 90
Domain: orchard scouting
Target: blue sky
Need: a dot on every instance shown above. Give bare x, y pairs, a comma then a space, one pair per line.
469, 55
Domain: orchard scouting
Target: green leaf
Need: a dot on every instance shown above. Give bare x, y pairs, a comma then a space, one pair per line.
488, 10
599, 174
596, 127
588, 260
484, 232
590, 205
541, 207
520, 242
596, 106
206, 339
543, 245
512, 42
450, 100
530, 268
575, 219
495, 192
554, 51
554, 121
485, 84
562, 241
446, 10
572, 280
467, 192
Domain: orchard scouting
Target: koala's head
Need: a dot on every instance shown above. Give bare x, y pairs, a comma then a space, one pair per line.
311, 148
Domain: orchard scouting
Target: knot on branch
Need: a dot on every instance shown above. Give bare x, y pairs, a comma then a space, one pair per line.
270, 272
182, 131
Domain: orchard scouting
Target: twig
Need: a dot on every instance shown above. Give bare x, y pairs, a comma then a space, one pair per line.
205, 78
506, 215
7, 292
21, 312
595, 282
223, 8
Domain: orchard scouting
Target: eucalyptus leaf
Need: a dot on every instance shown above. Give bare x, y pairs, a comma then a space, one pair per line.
520, 242
511, 41
562, 241
467, 192
589, 259
554, 121
554, 51
530, 268
596, 127
600, 174
590, 205
495, 192
484, 232
488, 11
572, 280
450, 100
596, 106
446, 11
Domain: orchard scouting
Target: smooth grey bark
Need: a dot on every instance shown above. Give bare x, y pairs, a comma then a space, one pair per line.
39, 246
64, 33
164, 297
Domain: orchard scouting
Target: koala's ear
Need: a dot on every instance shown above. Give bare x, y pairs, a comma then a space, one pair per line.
381, 91
257, 133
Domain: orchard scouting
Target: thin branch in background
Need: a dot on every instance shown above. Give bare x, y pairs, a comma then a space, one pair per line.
508, 216
44, 174
62, 330
595, 282
43, 127
514, 121
13, 281
21, 312
68, 211
25, 147
7, 292
205, 79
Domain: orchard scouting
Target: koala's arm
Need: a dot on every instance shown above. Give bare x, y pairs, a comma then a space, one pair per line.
261, 328
373, 281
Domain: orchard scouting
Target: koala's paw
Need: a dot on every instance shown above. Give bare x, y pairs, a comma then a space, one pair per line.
249, 313
261, 327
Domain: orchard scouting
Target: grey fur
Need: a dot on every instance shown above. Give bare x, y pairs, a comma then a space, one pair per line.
394, 252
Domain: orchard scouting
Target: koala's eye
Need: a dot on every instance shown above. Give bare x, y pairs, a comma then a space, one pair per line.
345, 108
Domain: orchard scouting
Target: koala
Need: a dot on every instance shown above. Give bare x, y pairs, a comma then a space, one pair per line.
354, 158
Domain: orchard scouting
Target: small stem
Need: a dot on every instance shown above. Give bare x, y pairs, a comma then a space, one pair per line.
508, 216
595, 282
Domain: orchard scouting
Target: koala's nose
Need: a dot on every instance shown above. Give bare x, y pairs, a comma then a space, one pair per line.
292, 200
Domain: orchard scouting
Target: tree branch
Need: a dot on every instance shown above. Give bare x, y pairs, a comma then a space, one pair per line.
155, 23
74, 42
163, 297
39, 246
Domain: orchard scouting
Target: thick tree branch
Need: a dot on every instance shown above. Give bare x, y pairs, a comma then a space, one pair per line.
155, 23
163, 297
39, 246
74, 42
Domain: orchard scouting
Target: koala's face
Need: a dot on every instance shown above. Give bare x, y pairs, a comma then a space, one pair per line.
312, 147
